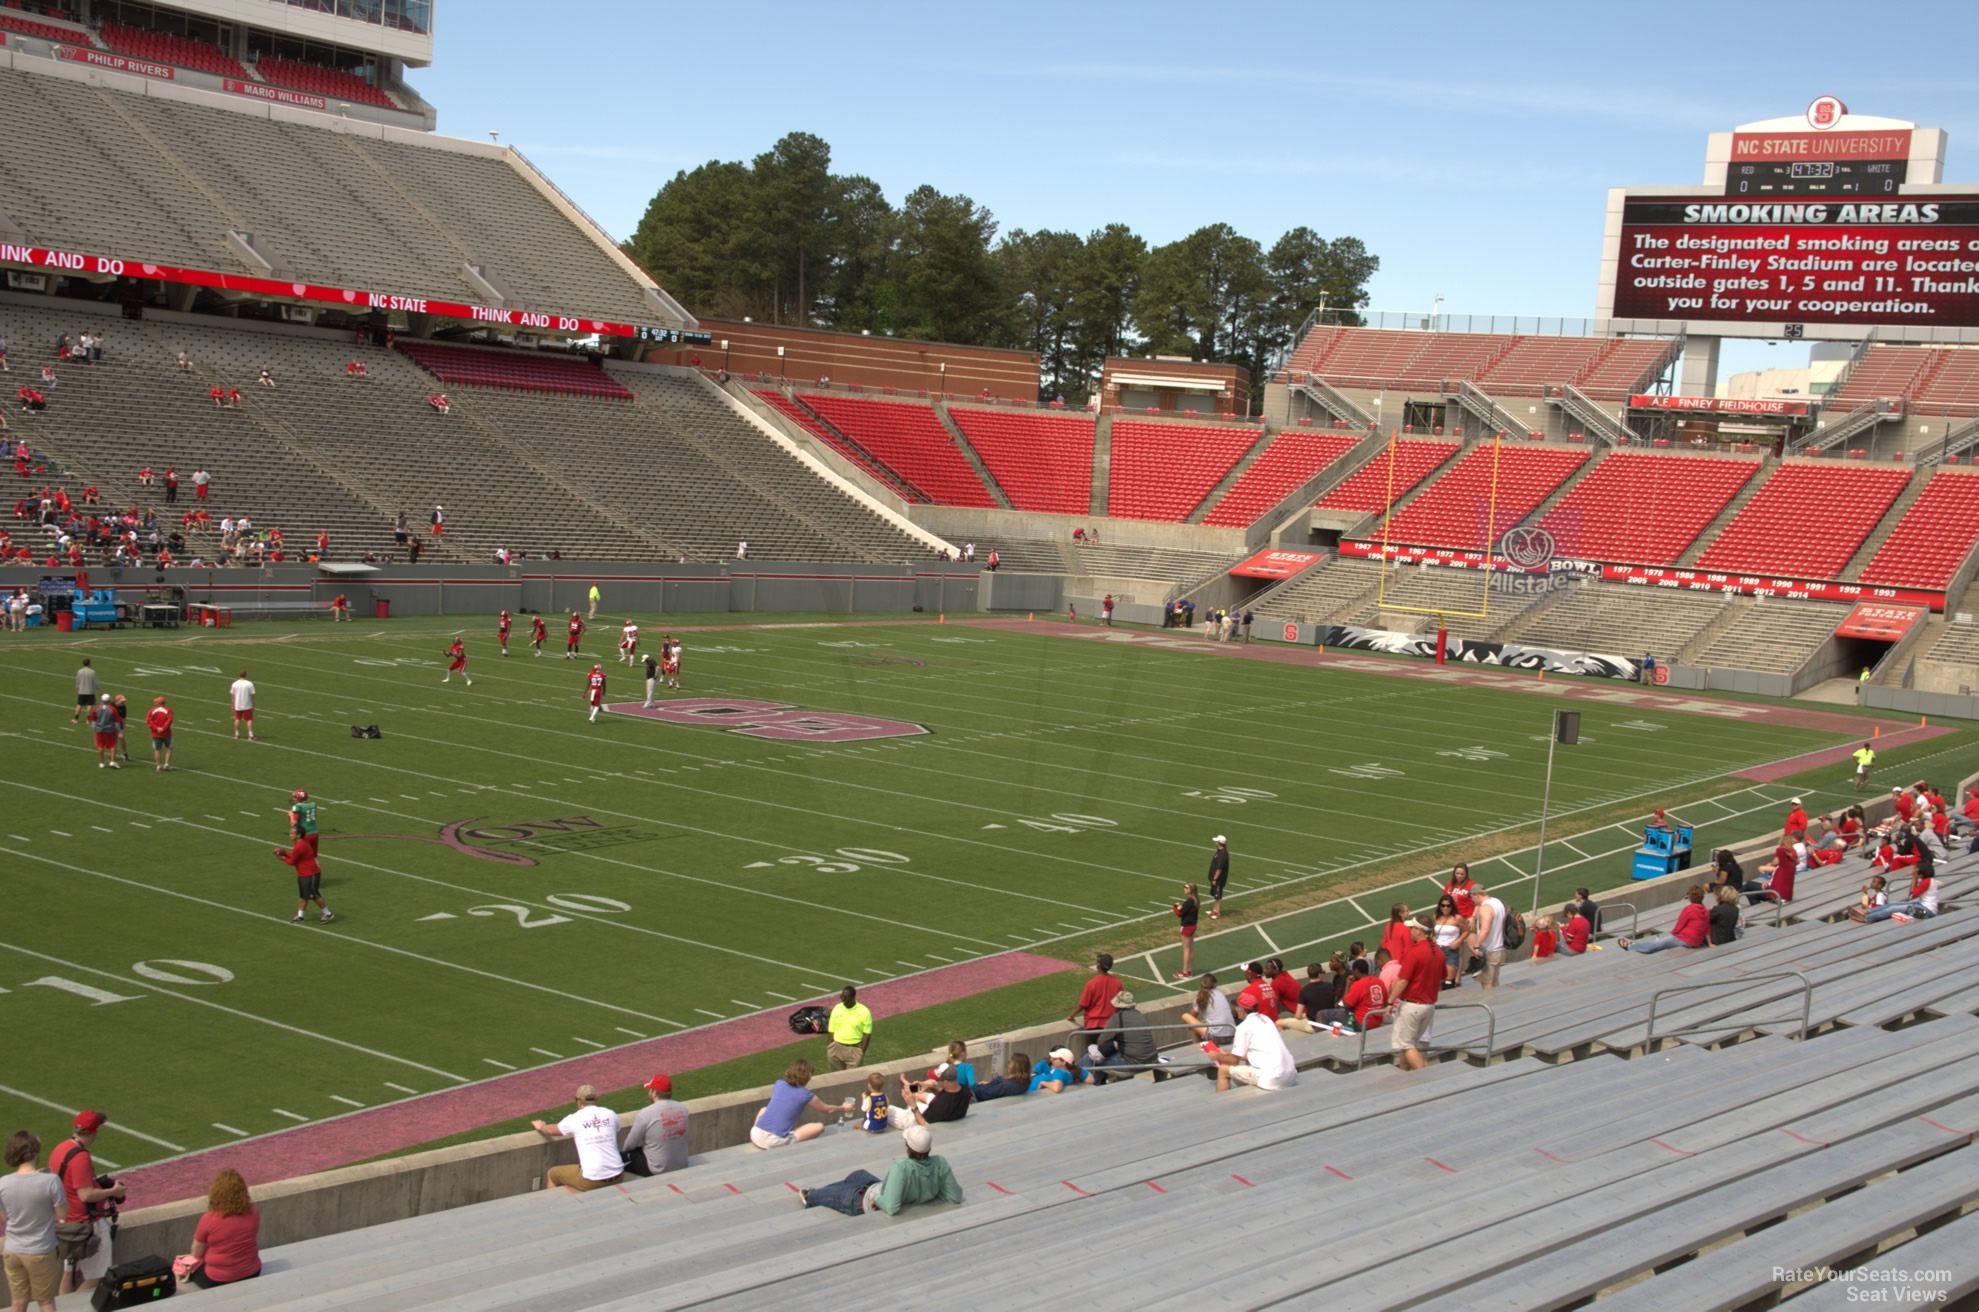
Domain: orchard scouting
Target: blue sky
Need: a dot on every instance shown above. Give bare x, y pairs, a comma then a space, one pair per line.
1470, 146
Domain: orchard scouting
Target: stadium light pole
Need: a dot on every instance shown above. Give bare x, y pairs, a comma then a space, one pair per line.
1566, 729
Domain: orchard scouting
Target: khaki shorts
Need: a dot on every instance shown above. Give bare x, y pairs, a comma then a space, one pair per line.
839, 1057
572, 1177
765, 1139
1493, 963
1242, 1074
33, 1278
1411, 1025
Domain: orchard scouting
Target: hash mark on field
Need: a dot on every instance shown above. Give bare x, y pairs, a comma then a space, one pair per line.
139, 824
18, 839
410, 797
383, 800
586, 1042
103, 829
250, 813
211, 816
279, 1112
716, 1014
238, 1134
746, 1006
348, 1102
400, 1087
545, 1052
784, 997
500, 1065
59, 834
634, 1033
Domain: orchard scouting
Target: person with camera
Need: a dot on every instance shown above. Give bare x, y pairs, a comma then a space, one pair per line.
84, 1233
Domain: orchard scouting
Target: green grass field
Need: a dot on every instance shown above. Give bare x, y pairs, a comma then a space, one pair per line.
515, 885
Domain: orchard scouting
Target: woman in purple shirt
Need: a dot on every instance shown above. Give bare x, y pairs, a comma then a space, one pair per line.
776, 1124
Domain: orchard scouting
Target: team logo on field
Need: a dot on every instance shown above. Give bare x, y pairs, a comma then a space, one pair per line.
779, 721
519, 844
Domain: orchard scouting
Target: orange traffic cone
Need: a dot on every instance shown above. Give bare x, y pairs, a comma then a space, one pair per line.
942, 618
1878, 733
1030, 616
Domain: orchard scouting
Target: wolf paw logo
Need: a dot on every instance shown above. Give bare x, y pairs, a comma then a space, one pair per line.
1528, 548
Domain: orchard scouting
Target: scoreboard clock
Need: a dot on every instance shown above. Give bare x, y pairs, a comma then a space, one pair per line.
1815, 177
683, 336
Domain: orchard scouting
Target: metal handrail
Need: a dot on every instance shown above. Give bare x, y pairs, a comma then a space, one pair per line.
1635, 920
1806, 1002
1490, 1029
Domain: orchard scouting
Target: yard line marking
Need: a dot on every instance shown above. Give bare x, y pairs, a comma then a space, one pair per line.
1570, 847
586, 1042
716, 1014
238, 1134
1267, 939
545, 1052
280, 1112
1360, 909
401, 1088
500, 1065
411, 797
384, 800
123, 1127
348, 1102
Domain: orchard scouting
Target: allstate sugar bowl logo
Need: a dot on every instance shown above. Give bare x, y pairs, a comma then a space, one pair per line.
1533, 566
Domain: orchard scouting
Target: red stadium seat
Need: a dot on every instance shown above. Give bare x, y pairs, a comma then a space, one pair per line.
521, 371
1476, 500
1634, 508
1398, 468
331, 83
1163, 471
1806, 521
165, 48
1041, 462
802, 418
1934, 536
1290, 460
909, 439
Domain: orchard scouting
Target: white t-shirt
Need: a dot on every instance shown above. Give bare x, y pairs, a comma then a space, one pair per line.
1494, 934
1928, 899
595, 1132
243, 695
1259, 1046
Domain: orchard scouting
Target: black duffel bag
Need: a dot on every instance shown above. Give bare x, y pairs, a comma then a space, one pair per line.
134, 1283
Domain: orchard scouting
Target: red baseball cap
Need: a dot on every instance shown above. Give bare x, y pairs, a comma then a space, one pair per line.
660, 1084
90, 1122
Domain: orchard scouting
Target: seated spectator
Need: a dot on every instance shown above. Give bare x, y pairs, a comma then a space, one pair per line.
1873, 895
1363, 1006
919, 1177
1920, 904
873, 1106
1282, 983
595, 1131
1257, 1055
438, 401
234, 397
931, 1101
1725, 869
185, 360
48, 378
1545, 937
1966, 821
776, 1123
218, 395
1724, 916
265, 378
1210, 1017
1257, 993
1125, 1040
656, 1141
1575, 931
1014, 1082
1061, 1074
958, 1057
1692, 929
31, 400
1317, 994
226, 1245
356, 369
1778, 884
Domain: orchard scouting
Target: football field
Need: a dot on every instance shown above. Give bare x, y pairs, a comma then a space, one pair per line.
821, 803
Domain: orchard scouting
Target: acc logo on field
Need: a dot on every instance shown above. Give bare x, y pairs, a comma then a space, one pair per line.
775, 720
1528, 548
1825, 112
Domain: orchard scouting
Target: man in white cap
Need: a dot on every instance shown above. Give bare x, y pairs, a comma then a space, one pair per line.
1796, 818
595, 1130
104, 721
1257, 1054
919, 1177
1219, 875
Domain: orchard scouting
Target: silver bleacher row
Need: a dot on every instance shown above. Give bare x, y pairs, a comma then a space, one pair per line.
1522, 1183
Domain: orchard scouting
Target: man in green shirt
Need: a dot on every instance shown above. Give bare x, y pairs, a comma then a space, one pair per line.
594, 602
851, 1030
1865, 756
918, 1177
302, 814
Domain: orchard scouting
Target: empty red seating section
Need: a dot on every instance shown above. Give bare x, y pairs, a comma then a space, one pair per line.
29, 27
1806, 521
1460, 509
1952, 386
1934, 536
796, 414
912, 441
1370, 355
1163, 471
1517, 365
519, 371
1312, 349
1640, 509
1293, 457
168, 49
1042, 462
1536, 363
1884, 371
1620, 366
333, 83
1397, 469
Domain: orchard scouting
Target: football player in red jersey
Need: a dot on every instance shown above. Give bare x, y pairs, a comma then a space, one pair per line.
501, 631
537, 632
670, 661
457, 655
595, 689
576, 632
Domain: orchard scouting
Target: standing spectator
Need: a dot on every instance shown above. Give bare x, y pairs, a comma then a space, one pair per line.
3, 354
776, 1123
1106, 610
1450, 929
439, 520
594, 602
226, 1245
1210, 1015
1395, 936
1417, 986
86, 691
171, 484
1462, 887
1249, 616
742, 549
656, 1142
595, 1131
105, 725
1257, 1055
919, 1177
1865, 758
122, 712
850, 1026
185, 361
241, 694
83, 1236
1095, 1005
1126, 1040
33, 1200
1186, 913
1692, 930
994, 560
201, 482
1488, 936
1219, 875
652, 677
968, 551
399, 532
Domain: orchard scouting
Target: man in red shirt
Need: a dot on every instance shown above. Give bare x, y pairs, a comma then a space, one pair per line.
1417, 986
576, 632
1096, 998
1967, 820
1284, 985
1459, 887
308, 877
1257, 993
1796, 818
1905, 804
1574, 929
71, 1163
595, 688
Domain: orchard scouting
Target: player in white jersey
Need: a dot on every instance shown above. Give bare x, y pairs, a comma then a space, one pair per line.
628, 644
242, 693
670, 661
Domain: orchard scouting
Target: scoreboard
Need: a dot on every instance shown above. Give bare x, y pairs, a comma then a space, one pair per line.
1816, 177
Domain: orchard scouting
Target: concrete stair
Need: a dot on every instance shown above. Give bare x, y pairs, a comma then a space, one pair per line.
1887, 525
1751, 489
1733, 613
1229, 480
1891, 674
970, 454
1102, 463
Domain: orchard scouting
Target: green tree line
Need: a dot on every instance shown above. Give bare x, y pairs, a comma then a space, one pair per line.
783, 239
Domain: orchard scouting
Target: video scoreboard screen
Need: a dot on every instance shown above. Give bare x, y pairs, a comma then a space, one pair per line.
1816, 177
